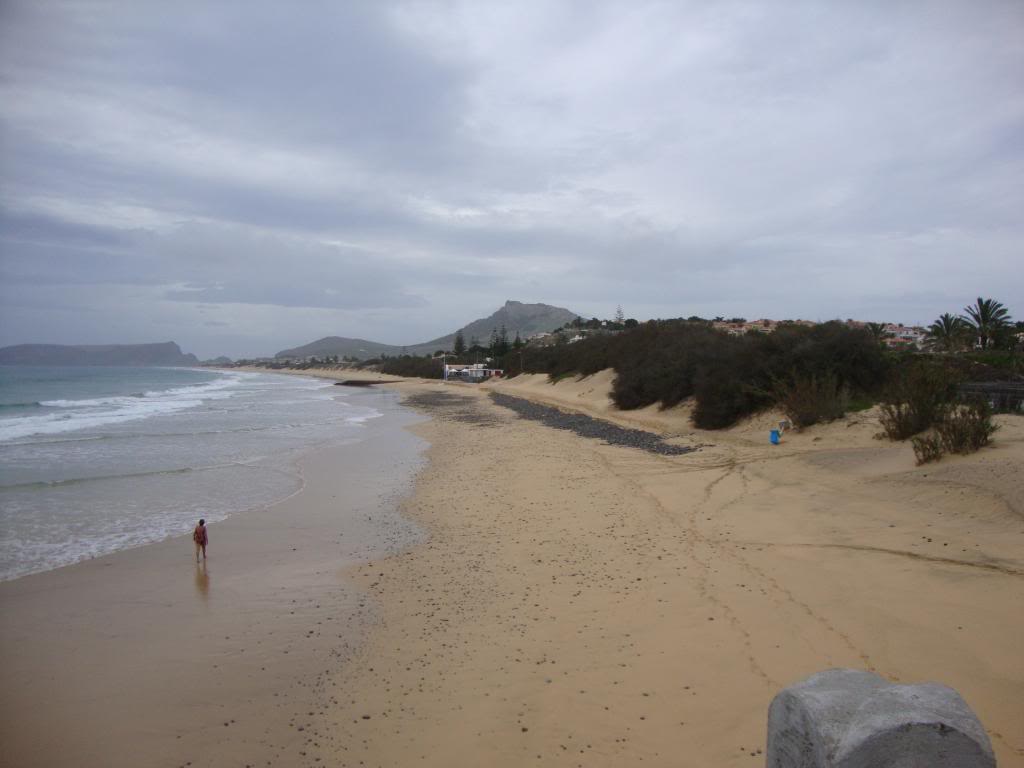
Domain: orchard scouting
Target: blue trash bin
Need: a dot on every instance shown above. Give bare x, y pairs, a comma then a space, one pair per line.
775, 437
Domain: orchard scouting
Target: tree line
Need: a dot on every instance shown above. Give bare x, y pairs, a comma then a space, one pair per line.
815, 373
986, 324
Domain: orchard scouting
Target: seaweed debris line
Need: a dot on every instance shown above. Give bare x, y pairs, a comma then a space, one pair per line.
587, 426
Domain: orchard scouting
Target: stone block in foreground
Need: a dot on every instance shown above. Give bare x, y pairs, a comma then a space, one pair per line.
846, 718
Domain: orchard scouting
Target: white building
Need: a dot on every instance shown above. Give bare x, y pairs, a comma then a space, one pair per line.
470, 372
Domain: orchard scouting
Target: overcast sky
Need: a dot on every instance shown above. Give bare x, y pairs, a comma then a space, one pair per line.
245, 177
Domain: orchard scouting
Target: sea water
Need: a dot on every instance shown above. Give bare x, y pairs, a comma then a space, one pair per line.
94, 460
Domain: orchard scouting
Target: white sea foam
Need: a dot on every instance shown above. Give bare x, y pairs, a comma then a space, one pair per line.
359, 419
75, 484
90, 413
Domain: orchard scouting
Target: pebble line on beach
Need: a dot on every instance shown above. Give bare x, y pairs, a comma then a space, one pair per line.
587, 426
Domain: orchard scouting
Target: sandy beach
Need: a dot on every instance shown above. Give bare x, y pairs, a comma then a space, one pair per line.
573, 603
581, 604
144, 658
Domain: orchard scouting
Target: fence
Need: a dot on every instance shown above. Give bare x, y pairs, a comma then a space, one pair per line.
1003, 396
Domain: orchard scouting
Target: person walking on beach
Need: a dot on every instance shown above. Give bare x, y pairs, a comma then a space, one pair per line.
200, 537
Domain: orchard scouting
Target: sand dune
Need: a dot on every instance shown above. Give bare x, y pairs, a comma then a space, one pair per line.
581, 604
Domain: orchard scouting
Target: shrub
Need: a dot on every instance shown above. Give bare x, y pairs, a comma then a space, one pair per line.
899, 421
966, 428
927, 448
724, 395
667, 361
806, 400
916, 398
658, 362
1007, 363
963, 428
409, 365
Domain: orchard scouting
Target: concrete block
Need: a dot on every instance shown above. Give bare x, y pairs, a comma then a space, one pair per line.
846, 718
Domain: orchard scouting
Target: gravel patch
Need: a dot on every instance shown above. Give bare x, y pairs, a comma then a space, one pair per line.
586, 426
449, 407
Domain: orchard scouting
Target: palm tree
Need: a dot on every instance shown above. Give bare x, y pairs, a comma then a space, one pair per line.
947, 333
878, 332
987, 318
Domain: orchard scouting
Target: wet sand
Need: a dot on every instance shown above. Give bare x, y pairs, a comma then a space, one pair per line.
144, 658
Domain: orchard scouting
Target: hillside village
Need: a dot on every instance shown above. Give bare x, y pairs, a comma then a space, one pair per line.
892, 335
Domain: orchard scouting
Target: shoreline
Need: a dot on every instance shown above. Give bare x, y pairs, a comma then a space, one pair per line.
573, 602
207, 665
220, 501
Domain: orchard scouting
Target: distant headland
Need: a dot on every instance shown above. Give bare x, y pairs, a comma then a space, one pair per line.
166, 353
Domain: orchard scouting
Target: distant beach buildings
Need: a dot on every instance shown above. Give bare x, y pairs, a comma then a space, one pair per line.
475, 372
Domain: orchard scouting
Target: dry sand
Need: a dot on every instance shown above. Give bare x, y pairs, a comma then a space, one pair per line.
575, 604
580, 604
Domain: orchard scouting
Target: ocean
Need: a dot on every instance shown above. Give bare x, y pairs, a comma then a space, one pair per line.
95, 460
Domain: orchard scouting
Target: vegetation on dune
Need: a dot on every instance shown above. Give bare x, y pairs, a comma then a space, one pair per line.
410, 365
807, 400
813, 373
664, 362
962, 428
916, 397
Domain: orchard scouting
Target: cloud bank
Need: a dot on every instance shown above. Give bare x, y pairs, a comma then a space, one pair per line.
244, 177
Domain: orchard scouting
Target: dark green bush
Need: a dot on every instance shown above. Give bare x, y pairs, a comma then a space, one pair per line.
729, 377
659, 362
850, 354
410, 365
916, 398
581, 358
722, 401
753, 372
807, 400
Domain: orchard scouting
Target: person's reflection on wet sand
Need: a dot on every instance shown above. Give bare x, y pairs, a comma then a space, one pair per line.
202, 580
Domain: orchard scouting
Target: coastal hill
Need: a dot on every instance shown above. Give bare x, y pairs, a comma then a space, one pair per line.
514, 316
166, 353
342, 347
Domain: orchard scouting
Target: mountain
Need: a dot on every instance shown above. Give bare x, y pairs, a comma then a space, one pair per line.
167, 353
342, 347
516, 317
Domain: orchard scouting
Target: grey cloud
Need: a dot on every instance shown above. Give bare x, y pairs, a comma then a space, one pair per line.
379, 162
37, 228
323, 72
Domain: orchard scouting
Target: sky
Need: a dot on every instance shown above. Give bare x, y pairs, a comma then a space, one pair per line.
243, 177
